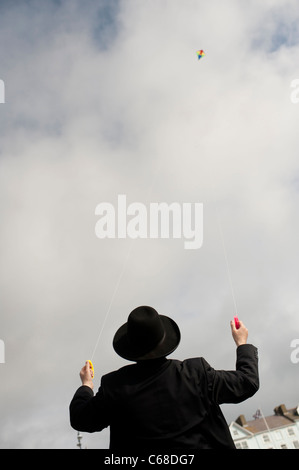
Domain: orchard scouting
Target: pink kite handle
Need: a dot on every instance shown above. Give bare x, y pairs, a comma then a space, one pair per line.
237, 323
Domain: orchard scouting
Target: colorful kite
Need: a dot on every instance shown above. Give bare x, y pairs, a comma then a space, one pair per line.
200, 54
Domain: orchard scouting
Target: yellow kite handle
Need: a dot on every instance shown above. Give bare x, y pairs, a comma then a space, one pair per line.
91, 368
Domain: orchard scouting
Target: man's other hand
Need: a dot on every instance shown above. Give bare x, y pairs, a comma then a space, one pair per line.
86, 375
240, 335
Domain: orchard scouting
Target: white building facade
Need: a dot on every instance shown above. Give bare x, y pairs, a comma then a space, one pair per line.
279, 431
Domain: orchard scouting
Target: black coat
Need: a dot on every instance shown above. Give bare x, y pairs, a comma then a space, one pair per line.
166, 404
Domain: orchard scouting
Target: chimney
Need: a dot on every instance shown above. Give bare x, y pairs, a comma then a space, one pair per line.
241, 420
280, 410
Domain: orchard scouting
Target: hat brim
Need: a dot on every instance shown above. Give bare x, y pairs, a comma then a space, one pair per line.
170, 342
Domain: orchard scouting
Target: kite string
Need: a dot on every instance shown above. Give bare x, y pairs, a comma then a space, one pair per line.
153, 182
112, 298
224, 248
227, 264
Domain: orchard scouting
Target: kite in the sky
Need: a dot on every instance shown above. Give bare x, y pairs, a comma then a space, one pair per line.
200, 54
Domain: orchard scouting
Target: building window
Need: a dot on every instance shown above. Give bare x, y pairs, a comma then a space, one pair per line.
291, 432
296, 444
283, 446
266, 438
244, 445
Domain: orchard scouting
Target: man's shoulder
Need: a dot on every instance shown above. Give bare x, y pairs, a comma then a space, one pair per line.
197, 364
119, 373
189, 361
129, 372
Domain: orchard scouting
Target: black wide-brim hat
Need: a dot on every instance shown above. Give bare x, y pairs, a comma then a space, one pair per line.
146, 335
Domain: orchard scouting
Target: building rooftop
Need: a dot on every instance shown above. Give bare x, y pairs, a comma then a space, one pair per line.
270, 422
281, 418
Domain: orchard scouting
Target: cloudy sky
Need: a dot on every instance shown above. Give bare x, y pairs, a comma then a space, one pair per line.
104, 98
